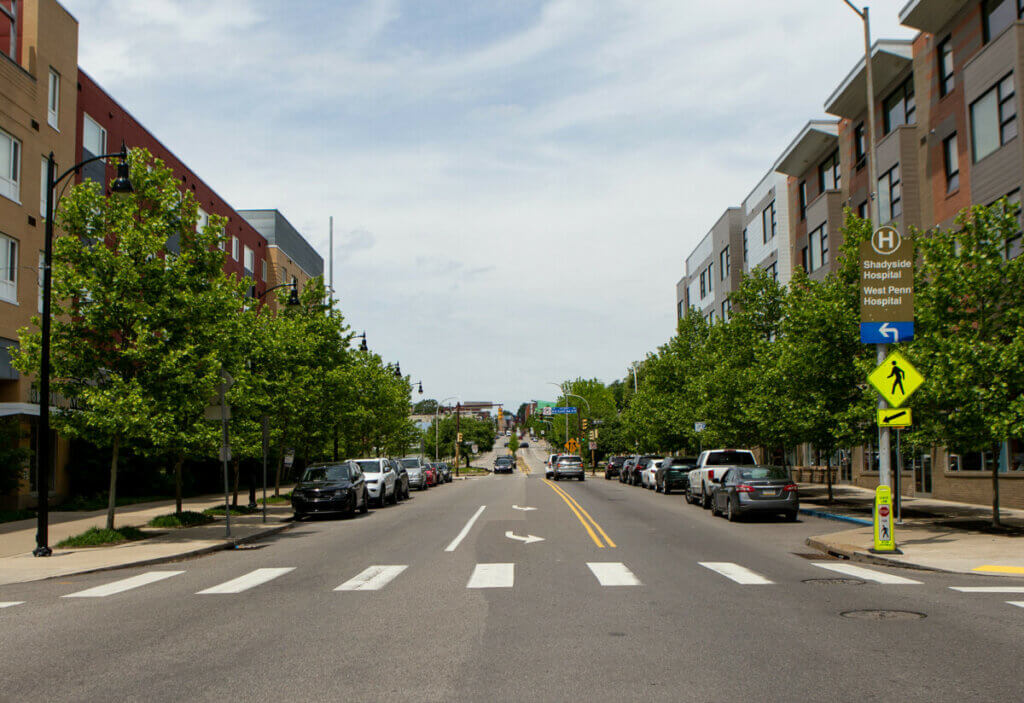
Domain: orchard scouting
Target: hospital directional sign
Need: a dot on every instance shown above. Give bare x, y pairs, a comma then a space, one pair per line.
886, 288
886, 332
563, 411
894, 417
896, 379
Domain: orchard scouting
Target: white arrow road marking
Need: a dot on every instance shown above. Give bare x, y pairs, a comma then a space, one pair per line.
522, 507
526, 540
1018, 603
249, 580
735, 572
127, 584
988, 589
492, 576
866, 574
613, 573
465, 531
372, 579
885, 330
10, 603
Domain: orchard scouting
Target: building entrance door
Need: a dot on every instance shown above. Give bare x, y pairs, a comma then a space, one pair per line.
923, 474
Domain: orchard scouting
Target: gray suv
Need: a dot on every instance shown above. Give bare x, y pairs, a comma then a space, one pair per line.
417, 474
568, 466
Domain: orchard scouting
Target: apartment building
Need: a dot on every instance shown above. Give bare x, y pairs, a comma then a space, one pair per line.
38, 74
103, 124
292, 258
713, 269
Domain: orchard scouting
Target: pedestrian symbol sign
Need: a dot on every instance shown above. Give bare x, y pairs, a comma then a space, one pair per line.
894, 417
895, 379
885, 540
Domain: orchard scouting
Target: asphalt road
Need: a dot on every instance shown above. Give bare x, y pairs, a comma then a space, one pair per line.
613, 604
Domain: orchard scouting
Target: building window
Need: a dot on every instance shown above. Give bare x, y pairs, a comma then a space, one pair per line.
816, 251
803, 200
53, 100
862, 210
744, 247
94, 137
9, 28
829, 174
860, 145
726, 309
773, 271
945, 56
202, 219
703, 285
8, 269
952, 163
39, 282
723, 263
899, 108
249, 261
768, 224
263, 270
10, 167
890, 196
234, 248
43, 185
710, 317
1013, 242
997, 15
993, 119
804, 260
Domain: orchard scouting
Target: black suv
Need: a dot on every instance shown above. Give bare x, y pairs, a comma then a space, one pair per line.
614, 466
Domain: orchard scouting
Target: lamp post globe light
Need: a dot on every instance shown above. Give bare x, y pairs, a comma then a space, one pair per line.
121, 185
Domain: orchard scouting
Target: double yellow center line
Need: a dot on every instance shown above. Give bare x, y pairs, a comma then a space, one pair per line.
583, 516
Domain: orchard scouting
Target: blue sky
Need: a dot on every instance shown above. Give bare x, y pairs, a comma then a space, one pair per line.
515, 184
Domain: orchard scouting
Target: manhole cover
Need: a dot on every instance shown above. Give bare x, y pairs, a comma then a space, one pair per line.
883, 615
835, 582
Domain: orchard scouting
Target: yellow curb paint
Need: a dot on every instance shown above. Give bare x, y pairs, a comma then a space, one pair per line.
1001, 569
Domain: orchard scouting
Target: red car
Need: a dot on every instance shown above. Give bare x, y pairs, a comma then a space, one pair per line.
430, 471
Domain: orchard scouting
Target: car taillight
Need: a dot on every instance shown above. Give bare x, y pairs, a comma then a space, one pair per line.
744, 488
789, 487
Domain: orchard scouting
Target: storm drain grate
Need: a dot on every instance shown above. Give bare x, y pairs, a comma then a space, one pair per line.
883, 615
835, 582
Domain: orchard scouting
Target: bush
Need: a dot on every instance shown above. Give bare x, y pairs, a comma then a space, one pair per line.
186, 518
277, 500
96, 537
237, 510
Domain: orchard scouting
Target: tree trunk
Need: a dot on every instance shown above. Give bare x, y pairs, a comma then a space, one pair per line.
234, 499
995, 493
280, 468
112, 498
177, 482
828, 474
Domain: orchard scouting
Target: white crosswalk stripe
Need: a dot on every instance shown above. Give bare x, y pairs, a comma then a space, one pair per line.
373, 578
492, 576
735, 572
866, 574
613, 573
123, 585
1018, 603
988, 589
249, 580
10, 603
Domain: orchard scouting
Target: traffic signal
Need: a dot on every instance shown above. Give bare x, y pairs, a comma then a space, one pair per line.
584, 424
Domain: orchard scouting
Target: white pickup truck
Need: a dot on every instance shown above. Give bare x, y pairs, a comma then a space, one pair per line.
709, 471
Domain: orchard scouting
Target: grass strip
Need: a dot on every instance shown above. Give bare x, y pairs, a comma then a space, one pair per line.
186, 518
98, 537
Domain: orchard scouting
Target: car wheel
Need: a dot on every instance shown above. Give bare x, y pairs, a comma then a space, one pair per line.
555, 476
582, 477
366, 503
731, 514
686, 497
791, 516
297, 517
714, 508
705, 501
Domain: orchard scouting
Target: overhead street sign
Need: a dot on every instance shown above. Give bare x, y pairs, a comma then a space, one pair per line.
700, 426
564, 411
895, 417
895, 379
886, 287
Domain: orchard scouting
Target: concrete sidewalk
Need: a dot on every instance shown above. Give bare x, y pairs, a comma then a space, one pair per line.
936, 534
17, 539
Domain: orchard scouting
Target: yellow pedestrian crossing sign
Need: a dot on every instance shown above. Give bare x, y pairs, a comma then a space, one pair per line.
894, 417
895, 379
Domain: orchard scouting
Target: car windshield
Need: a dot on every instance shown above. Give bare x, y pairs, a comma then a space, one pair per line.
764, 473
504, 460
369, 466
411, 463
570, 459
327, 473
730, 458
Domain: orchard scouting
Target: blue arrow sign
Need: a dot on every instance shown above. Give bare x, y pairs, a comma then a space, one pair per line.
563, 411
886, 332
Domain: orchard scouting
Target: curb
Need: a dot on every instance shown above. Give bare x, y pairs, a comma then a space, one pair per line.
228, 544
835, 516
854, 555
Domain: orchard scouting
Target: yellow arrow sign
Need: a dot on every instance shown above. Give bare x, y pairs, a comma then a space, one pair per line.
895, 379
895, 417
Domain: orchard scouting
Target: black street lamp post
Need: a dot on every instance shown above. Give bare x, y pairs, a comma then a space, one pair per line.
122, 184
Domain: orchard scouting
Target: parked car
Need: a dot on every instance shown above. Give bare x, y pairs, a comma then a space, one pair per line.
673, 474
711, 465
633, 468
624, 471
381, 481
648, 471
337, 487
401, 479
431, 473
749, 489
504, 465
417, 473
613, 467
549, 465
568, 466
445, 471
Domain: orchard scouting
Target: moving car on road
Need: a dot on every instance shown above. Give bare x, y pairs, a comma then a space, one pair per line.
748, 489
673, 474
417, 473
549, 465
504, 465
381, 481
337, 487
568, 466
613, 467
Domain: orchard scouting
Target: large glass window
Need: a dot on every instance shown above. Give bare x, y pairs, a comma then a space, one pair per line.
817, 248
828, 173
10, 167
94, 137
249, 261
900, 108
8, 269
993, 118
53, 100
8, 28
860, 145
952, 162
890, 195
997, 15
803, 200
1013, 242
945, 57
723, 263
768, 223
234, 248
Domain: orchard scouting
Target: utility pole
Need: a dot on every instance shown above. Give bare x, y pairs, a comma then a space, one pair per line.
458, 431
